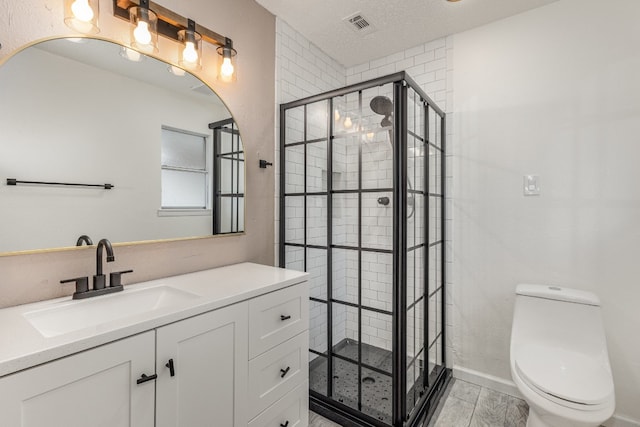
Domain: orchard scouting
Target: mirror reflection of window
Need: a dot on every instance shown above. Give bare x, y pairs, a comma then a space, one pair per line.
185, 175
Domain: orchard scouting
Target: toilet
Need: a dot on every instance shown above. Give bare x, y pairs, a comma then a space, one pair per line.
559, 359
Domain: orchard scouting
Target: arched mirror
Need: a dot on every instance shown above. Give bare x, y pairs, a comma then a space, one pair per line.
102, 141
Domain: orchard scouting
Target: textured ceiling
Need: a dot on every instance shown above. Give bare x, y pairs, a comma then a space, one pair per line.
398, 24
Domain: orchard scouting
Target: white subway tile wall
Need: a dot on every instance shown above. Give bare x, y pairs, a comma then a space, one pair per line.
303, 70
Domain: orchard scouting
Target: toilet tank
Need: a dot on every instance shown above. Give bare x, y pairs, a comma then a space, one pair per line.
558, 317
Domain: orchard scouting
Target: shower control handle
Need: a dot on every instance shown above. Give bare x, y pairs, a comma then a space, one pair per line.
283, 317
284, 372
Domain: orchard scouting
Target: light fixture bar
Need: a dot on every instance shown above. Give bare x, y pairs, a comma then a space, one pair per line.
169, 22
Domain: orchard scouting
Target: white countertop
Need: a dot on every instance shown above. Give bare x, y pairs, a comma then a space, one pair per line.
22, 346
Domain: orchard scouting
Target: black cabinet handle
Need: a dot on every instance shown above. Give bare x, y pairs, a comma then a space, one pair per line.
172, 369
284, 372
285, 424
144, 378
283, 317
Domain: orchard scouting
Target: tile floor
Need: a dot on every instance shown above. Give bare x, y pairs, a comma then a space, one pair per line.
466, 405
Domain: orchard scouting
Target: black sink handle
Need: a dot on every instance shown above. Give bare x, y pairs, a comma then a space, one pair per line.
286, 424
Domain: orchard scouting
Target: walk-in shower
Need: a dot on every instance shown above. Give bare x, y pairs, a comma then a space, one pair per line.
362, 210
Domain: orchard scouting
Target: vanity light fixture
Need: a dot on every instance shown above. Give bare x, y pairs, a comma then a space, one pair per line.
191, 49
165, 22
144, 27
82, 15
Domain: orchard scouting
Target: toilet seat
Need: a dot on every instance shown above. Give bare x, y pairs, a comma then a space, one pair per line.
569, 378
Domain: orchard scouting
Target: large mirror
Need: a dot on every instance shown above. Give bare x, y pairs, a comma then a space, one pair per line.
105, 142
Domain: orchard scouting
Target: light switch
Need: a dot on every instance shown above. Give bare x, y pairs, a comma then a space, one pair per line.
531, 185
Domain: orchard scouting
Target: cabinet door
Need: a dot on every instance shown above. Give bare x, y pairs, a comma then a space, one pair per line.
94, 388
209, 353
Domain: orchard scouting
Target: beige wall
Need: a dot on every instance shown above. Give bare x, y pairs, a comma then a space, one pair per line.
27, 278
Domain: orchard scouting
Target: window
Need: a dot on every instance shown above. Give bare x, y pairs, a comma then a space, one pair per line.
185, 174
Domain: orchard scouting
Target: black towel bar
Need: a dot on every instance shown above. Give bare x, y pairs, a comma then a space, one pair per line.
13, 181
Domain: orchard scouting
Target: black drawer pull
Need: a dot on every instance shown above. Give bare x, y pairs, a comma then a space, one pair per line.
286, 424
283, 317
144, 378
284, 372
172, 369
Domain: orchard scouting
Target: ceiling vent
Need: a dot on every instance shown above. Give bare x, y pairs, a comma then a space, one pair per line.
359, 24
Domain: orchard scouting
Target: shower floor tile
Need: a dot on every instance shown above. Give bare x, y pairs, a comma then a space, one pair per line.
376, 386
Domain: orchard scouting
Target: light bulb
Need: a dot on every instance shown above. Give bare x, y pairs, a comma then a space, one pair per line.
82, 11
226, 70
131, 55
190, 54
336, 115
370, 136
348, 123
142, 33
176, 71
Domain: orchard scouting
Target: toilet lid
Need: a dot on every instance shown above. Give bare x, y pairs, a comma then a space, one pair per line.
566, 374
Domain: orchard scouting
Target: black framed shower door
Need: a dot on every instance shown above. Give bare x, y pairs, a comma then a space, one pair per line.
362, 191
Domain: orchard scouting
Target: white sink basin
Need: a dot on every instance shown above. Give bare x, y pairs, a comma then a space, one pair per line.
69, 316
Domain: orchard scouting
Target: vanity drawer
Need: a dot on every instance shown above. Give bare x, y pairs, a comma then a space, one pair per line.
276, 372
292, 410
276, 317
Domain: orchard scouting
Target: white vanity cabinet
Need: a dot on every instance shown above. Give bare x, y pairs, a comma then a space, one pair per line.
94, 388
240, 364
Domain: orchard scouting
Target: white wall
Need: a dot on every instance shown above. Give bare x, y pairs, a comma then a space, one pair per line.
554, 92
62, 138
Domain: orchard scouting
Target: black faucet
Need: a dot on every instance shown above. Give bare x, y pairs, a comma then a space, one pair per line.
84, 239
110, 258
99, 279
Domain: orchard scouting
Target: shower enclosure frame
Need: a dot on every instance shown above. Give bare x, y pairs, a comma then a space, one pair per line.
427, 402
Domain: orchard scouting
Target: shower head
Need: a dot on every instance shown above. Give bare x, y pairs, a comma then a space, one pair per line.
382, 105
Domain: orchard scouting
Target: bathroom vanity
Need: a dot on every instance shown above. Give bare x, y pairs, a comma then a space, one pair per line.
224, 347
